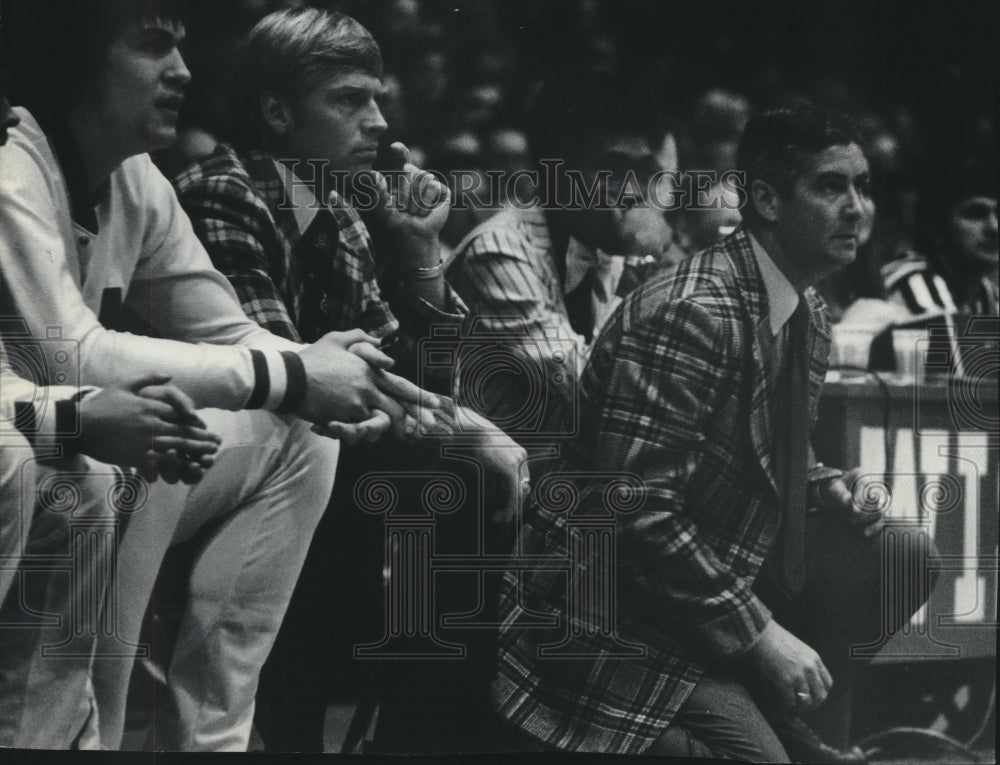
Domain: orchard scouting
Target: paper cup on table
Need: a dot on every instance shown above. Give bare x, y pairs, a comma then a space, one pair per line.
910, 349
851, 346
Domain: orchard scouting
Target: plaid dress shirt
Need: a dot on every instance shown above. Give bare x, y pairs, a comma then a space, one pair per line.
299, 284
675, 402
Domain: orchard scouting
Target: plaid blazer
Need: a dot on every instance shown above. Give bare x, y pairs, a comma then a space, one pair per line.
674, 457
239, 211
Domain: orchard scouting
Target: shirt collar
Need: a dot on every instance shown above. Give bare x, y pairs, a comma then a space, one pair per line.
782, 299
532, 221
579, 260
303, 201
81, 201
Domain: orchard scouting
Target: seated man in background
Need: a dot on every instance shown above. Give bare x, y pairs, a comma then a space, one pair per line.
542, 279
729, 609
274, 210
703, 222
94, 241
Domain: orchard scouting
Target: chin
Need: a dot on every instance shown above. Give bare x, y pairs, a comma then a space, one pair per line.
844, 253
161, 136
361, 166
987, 259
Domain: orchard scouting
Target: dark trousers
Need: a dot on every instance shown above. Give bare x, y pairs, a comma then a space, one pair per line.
847, 600
426, 703
720, 719
337, 602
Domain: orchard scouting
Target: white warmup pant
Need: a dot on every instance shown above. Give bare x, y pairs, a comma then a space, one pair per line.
257, 509
62, 518
17, 500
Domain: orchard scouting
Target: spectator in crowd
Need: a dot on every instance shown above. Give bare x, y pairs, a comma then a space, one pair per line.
94, 241
733, 616
426, 79
458, 157
710, 135
306, 94
956, 268
704, 221
506, 152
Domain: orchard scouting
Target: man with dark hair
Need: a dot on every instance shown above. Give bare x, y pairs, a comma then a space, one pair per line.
95, 243
544, 277
703, 387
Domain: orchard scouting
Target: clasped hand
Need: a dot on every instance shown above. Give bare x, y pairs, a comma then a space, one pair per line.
846, 494
351, 394
150, 425
414, 414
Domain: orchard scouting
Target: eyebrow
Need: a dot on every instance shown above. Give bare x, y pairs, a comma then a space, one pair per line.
347, 87
830, 175
977, 206
161, 26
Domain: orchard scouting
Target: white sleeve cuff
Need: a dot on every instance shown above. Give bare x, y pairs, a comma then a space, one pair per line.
278, 379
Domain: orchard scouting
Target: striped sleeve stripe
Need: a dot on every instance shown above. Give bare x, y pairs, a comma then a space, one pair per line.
270, 380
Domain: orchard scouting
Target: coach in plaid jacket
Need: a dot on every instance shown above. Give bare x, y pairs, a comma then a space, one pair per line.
677, 395
674, 398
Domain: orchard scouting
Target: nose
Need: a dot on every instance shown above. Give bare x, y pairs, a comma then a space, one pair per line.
374, 121
177, 71
7, 117
855, 209
991, 222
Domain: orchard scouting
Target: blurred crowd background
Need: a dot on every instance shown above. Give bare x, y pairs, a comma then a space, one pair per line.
919, 78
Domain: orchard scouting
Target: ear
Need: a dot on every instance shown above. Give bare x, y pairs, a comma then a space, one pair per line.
765, 200
666, 153
276, 113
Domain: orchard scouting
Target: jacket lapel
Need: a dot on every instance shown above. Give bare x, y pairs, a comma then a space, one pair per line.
818, 350
761, 431
754, 298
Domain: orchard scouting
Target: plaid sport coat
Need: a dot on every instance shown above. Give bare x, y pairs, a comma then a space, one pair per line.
301, 285
673, 466
239, 211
